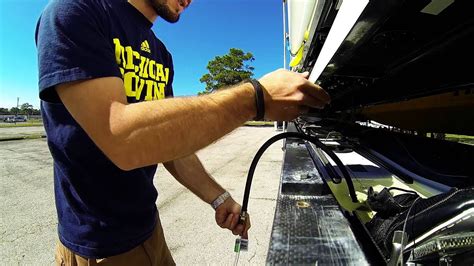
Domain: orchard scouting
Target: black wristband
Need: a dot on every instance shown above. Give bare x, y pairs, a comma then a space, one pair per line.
259, 100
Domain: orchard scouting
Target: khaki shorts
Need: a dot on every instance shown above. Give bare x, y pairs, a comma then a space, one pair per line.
153, 251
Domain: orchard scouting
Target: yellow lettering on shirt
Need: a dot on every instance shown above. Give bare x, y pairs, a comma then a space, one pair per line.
130, 84
140, 74
149, 90
151, 65
167, 74
119, 51
140, 89
159, 91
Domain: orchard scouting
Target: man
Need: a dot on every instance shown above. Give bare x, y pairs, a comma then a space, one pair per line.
106, 89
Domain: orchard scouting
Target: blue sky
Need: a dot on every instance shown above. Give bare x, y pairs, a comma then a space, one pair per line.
206, 29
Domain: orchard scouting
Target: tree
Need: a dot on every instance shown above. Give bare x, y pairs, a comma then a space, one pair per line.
26, 109
4, 111
35, 112
227, 70
14, 110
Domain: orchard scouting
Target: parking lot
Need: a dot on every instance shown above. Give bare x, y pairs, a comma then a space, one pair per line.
7, 133
28, 216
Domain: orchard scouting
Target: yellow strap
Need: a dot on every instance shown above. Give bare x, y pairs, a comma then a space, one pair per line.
299, 55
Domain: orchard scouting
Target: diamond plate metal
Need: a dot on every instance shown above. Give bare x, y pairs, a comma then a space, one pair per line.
309, 227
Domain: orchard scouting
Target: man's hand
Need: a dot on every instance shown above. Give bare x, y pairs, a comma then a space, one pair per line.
227, 216
290, 94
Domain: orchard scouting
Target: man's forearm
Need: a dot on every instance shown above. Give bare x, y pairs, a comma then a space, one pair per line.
190, 172
160, 131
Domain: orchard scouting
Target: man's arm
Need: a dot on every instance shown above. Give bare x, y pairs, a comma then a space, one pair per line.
190, 172
146, 133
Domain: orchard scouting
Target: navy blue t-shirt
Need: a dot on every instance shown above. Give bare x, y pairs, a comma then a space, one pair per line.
102, 210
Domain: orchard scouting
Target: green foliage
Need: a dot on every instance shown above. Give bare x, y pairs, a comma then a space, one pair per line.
14, 111
25, 109
227, 70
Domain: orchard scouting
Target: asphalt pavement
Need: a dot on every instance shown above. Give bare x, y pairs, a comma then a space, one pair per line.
17, 133
28, 217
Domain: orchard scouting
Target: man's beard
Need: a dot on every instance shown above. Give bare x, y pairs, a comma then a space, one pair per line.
162, 10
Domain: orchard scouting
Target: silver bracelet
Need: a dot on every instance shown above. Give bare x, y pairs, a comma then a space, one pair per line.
217, 202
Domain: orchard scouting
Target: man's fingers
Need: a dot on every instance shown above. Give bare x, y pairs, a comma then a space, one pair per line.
305, 74
238, 230
220, 219
228, 221
245, 233
244, 230
248, 224
234, 222
317, 92
312, 102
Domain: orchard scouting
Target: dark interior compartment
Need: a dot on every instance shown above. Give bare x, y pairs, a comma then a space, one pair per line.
445, 162
397, 52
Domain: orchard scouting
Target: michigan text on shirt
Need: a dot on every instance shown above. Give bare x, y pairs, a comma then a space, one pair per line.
141, 74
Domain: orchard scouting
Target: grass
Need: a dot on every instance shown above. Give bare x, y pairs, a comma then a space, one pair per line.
29, 123
259, 123
33, 136
460, 138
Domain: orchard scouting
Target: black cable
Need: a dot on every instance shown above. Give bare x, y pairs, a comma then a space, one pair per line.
401, 189
309, 138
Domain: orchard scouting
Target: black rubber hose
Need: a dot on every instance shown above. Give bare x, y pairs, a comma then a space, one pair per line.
311, 139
